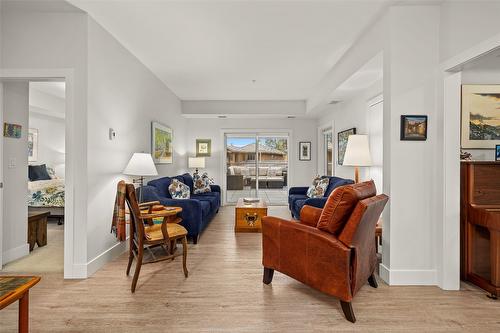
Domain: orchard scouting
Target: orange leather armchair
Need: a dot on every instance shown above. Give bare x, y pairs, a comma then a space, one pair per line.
330, 249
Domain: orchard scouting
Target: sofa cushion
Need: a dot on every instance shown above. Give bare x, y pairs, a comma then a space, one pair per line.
298, 204
294, 197
161, 185
179, 190
336, 182
211, 199
341, 203
318, 187
188, 180
205, 208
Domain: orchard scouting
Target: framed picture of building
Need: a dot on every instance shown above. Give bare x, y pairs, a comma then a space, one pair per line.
32, 145
480, 116
342, 143
161, 143
203, 147
413, 128
304, 151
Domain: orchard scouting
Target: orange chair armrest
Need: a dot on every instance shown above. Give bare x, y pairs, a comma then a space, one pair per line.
309, 215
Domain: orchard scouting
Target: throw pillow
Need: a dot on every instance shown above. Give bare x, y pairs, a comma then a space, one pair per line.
318, 187
38, 172
178, 190
341, 203
52, 173
201, 183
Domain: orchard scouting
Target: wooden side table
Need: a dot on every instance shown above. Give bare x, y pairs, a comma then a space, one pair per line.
248, 217
37, 229
13, 288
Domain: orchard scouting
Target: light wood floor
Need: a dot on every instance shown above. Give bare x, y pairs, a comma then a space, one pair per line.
224, 293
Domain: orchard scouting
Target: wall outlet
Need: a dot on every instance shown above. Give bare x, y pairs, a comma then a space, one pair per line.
12, 163
112, 134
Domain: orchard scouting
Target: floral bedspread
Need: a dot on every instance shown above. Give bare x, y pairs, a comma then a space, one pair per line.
46, 193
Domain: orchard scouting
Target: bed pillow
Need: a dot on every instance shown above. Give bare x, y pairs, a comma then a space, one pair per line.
38, 172
179, 190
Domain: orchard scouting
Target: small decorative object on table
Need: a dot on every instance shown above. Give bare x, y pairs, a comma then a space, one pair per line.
304, 151
413, 128
250, 200
248, 217
465, 156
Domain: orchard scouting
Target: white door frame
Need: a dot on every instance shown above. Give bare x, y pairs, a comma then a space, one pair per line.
449, 242
258, 132
69, 237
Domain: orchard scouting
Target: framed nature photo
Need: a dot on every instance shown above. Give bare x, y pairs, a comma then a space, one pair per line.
304, 151
161, 143
342, 143
12, 130
480, 116
203, 147
413, 128
32, 145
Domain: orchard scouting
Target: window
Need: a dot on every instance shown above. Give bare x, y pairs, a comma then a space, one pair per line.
328, 151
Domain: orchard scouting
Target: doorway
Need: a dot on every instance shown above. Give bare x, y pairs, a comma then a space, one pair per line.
256, 165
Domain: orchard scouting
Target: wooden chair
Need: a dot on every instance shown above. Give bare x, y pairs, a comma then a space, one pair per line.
144, 234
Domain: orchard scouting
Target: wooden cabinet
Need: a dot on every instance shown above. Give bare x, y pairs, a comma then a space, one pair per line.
248, 217
480, 224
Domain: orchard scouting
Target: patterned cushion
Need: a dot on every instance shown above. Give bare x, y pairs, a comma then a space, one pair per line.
318, 187
178, 190
201, 183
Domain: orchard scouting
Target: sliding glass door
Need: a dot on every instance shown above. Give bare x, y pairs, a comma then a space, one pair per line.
257, 167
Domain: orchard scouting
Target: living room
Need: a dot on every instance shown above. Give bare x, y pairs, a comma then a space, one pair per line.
262, 97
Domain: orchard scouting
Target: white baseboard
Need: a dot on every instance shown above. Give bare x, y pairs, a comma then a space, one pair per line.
15, 253
408, 277
105, 257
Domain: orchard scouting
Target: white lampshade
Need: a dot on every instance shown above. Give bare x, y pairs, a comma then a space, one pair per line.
357, 152
141, 164
196, 162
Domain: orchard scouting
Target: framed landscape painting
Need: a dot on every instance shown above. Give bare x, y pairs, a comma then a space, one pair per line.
32, 145
342, 143
413, 128
161, 143
480, 116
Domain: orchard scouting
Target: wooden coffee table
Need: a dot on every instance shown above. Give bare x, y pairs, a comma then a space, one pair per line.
248, 217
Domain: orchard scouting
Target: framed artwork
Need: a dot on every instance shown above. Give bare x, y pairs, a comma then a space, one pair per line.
342, 143
12, 130
497, 153
413, 128
203, 147
480, 116
32, 145
161, 143
304, 151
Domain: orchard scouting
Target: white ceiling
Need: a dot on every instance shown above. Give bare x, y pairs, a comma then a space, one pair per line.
213, 50
57, 89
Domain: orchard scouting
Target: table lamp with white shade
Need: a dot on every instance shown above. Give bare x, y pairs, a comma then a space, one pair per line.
142, 165
357, 153
196, 162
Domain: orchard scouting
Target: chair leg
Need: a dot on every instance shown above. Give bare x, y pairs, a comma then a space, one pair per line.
373, 281
130, 259
184, 256
268, 275
138, 265
348, 312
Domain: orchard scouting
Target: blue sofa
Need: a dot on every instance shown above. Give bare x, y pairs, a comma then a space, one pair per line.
197, 212
297, 196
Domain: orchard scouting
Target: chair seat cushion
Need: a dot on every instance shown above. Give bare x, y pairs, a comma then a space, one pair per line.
153, 233
341, 203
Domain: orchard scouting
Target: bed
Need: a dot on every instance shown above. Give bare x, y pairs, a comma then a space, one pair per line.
47, 196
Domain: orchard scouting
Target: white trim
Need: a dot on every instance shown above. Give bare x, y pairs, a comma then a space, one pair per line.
408, 277
109, 255
71, 246
16, 253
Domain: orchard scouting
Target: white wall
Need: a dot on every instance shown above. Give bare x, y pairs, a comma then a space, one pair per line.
15, 173
124, 95
51, 148
302, 172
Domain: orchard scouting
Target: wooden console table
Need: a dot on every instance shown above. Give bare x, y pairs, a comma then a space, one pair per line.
37, 229
480, 225
13, 288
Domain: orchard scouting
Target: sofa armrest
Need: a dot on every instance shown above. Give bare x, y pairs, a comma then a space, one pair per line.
316, 202
298, 190
307, 254
309, 215
215, 188
191, 213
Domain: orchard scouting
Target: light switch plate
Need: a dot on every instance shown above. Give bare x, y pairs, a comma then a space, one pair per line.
12, 163
112, 134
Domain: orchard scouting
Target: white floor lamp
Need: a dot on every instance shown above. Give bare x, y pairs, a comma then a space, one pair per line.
142, 165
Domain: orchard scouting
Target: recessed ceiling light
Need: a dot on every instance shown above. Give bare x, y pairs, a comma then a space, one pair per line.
291, 117
221, 116
332, 102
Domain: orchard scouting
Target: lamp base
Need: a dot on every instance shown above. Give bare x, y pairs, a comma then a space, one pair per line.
139, 181
356, 175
